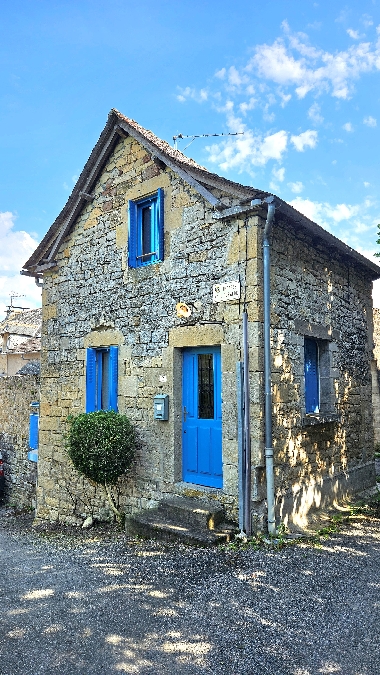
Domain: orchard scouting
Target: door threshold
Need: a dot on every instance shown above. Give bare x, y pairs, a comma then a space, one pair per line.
195, 489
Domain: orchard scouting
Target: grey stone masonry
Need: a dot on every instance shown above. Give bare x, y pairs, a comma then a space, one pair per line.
16, 394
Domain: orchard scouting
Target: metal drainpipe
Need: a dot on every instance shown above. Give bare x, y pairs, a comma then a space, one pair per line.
247, 431
267, 373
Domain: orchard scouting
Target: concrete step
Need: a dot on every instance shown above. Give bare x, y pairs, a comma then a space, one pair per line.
188, 520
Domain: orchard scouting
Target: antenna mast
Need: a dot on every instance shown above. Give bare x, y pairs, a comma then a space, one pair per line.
194, 136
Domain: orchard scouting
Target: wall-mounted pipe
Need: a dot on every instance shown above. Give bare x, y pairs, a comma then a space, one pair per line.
267, 372
247, 431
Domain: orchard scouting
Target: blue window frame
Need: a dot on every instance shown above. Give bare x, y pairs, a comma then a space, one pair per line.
101, 379
146, 230
311, 376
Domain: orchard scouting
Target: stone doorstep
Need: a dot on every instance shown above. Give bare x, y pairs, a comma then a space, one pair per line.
207, 514
181, 518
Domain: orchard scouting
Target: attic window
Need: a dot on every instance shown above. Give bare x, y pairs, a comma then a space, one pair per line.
146, 230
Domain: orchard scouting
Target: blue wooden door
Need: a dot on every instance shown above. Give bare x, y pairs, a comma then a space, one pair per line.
202, 417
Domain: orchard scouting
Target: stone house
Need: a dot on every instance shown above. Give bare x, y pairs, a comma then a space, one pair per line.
148, 273
20, 334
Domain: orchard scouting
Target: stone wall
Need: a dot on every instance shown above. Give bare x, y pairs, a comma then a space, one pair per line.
93, 299
376, 375
16, 395
319, 293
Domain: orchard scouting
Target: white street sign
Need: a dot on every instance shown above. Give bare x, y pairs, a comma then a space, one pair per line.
227, 291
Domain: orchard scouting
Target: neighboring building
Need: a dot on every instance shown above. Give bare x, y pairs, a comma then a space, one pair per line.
131, 311
20, 334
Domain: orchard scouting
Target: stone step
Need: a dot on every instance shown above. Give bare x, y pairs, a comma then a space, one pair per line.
188, 520
187, 510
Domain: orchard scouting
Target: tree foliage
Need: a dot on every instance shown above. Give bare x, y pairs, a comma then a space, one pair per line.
378, 240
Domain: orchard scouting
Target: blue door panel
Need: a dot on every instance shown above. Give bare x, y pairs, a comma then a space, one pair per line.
202, 417
204, 458
192, 442
216, 444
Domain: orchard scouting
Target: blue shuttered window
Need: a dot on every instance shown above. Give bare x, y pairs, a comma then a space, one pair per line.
101, 379
146, 230
33, 431
91, 381
311, 376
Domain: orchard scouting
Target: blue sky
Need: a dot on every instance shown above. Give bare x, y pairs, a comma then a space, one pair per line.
301, 79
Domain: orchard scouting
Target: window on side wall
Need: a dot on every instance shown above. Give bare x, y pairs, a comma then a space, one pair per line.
101, 379
312, 388
146, 230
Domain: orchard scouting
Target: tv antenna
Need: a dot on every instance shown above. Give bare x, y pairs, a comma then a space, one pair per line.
194, 136
13, 295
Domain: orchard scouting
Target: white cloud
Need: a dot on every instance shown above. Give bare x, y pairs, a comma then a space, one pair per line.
15, 249
366, 184
314, 114
285, 98
370, 121
221, 73
246, 106
354, 34
308, 139
348, 127
292, 62
279, 174
244, 152
296, 187
236, 79
310, 209
187, 93
326, 214
367, 20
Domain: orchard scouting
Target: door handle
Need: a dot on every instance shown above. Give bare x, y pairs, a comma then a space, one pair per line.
185, 413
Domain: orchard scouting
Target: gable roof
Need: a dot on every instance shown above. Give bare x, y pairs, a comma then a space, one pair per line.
197, 176
23, 322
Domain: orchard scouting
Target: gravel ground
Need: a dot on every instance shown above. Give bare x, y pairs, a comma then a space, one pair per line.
101, 604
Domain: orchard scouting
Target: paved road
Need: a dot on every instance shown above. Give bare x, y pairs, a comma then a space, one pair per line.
104, 607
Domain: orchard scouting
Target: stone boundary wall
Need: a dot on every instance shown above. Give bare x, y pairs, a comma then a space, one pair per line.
376, 374
16, 394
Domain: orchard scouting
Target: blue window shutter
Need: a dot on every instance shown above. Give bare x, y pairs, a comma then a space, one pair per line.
311, 376
132, 239
113, 375
33, 432
91, 380
160, 223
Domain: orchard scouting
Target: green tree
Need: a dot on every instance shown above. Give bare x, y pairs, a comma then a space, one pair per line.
101, 445
378, 240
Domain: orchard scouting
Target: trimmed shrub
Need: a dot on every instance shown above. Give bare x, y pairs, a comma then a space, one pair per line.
101, 445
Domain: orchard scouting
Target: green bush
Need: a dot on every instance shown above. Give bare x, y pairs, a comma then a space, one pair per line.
101, 445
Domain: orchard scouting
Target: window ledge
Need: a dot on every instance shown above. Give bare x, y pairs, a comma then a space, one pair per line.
311, 419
